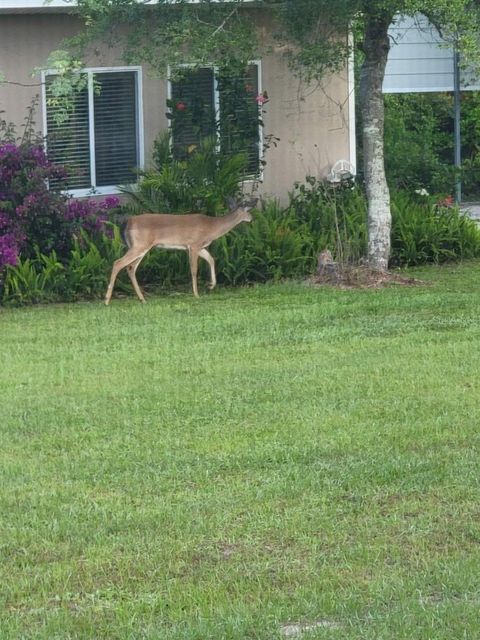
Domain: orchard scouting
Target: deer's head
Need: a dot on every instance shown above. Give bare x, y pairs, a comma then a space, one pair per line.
242, 210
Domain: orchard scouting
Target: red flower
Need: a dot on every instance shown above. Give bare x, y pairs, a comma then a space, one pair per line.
446, 202
181, 106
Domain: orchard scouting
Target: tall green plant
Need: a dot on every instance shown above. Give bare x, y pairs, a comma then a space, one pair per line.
335, 216
275, 245
424, 232
34, 280
202, 182
82, 274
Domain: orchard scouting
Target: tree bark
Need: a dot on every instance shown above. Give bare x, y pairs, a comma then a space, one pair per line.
375, 47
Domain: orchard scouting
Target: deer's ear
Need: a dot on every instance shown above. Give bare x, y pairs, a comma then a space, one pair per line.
231, 203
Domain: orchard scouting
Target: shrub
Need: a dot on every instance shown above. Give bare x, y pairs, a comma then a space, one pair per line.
83, 274
335, 216
203, 182
33, 280
424, 231
35, 221
419, 142
30, 214
275, 245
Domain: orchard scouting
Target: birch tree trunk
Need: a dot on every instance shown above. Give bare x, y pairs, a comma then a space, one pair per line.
375, 47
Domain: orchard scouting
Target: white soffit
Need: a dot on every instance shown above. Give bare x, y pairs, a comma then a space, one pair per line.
420, 60
47, 6
34, 6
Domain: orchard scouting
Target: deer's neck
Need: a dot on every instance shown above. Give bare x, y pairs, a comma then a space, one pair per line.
226, 223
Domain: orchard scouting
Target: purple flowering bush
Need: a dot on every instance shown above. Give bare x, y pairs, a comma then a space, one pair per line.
30, 214
90, 215
34, 217
40, 226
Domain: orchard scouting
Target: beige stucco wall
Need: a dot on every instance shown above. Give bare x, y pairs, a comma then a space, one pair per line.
311, 122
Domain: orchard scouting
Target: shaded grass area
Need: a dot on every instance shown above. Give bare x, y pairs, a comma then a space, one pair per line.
257, 459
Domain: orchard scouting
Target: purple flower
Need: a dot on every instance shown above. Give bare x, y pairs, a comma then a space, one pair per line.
8, 250
21, 211
39, 156
111, 202
89, 214
8, 147
4, 220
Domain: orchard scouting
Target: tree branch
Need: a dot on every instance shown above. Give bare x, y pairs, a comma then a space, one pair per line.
221, 26
22, 84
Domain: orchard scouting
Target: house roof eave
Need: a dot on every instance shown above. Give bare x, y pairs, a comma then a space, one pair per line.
65, 6
35, 6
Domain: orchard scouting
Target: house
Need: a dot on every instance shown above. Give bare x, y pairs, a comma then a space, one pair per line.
114, 129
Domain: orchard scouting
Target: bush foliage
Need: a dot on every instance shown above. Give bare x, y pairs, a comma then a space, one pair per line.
281, 242
425, 231
56, 248
41, 228
419, 143
202, 182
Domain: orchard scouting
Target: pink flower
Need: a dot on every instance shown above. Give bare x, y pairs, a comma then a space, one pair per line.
262, 98
181, 106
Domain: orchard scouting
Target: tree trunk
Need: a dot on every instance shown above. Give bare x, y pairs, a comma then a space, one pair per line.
375, 47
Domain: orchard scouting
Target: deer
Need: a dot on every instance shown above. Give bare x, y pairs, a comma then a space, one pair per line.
192, 232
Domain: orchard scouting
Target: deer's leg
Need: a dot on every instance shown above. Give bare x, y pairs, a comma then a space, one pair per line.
211, 263
118, 265
193, 256
131, 270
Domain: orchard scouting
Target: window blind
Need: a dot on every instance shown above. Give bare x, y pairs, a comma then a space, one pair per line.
69, 140
98, 141
115, 117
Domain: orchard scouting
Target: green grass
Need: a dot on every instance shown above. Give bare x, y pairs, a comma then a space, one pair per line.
261, 457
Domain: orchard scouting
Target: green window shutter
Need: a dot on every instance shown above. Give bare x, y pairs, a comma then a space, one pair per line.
192, 109
115, 118
69, 139
193, 112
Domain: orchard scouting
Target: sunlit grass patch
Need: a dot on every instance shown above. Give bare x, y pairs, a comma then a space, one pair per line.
269, 458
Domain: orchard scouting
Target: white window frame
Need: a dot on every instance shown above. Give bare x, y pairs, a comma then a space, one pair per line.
91, 71
216, 102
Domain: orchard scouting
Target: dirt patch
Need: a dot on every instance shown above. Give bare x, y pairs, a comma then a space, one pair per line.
360, 277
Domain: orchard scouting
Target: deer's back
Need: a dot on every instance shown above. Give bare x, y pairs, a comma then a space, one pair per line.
166, 228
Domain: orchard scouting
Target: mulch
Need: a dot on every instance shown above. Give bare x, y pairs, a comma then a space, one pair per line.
360, 277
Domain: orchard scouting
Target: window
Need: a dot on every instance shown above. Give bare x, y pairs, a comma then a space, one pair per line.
100, 141
212, 102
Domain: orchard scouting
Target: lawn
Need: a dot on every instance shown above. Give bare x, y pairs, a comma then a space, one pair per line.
266, 462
